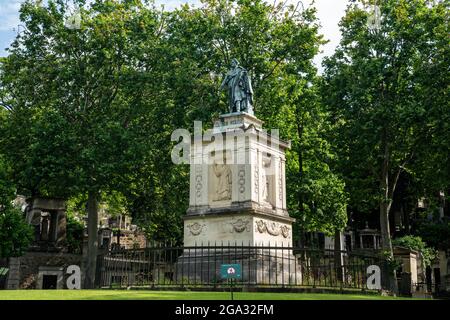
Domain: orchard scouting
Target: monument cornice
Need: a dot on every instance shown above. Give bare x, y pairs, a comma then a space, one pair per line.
249, 208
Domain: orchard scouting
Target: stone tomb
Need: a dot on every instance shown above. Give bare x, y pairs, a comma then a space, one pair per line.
238, 198
44, 264
48, 218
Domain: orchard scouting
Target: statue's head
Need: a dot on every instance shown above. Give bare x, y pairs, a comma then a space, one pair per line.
234, 63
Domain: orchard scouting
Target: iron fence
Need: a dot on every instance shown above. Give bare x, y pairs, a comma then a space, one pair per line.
4, 270
262, 266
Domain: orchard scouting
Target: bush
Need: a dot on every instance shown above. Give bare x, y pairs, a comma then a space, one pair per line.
15, 234
435, 234
74, 235
416, 243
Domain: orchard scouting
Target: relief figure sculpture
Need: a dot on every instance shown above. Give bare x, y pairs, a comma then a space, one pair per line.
223, 184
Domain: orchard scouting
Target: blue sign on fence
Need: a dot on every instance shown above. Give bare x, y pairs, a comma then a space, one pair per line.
230, 271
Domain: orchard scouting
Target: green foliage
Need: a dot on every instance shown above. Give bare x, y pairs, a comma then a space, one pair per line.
70, 128
392, 263
7, 190
92, 110
277, 45
416, 243
15, 233
114, 203
74, 239
435, 234
388, 95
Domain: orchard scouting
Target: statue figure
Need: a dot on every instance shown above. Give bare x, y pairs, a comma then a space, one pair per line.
44, 227
240, 92
223, 186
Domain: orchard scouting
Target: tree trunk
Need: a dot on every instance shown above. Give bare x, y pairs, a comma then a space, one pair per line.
91, 264
387, 243
385, 207
302, 236
385, 227
339, 257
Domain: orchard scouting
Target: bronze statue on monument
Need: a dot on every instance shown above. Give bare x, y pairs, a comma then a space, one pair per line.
240, 91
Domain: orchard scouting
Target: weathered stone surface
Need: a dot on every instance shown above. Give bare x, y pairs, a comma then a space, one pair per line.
250, 162
48, 217
24, 271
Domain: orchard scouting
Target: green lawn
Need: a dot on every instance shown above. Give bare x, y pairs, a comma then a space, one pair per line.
173, 295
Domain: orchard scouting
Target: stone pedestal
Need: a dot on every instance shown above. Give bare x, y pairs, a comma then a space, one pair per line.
238, 197
259, 266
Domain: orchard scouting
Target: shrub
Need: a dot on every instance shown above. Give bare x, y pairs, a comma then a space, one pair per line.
416, 243
15, 234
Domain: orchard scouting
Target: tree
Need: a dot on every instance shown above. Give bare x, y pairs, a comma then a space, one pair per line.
317, 193
91, 110
74, 229
436, 235
276, 43
376, 87
72, 126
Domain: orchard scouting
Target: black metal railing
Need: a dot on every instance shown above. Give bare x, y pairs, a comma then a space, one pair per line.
262, 266
4, 270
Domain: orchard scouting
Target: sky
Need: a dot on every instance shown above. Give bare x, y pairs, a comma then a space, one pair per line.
329, 13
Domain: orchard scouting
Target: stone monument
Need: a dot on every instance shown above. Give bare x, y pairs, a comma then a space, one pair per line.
48, 218
238, 193
42, 266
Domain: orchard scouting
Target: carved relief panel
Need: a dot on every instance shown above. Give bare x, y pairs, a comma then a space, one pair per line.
272, 228
220, 177
222, 190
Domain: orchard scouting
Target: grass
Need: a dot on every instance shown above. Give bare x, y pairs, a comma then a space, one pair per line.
174, 295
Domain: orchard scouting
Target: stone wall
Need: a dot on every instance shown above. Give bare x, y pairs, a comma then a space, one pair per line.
24, 270
130, 239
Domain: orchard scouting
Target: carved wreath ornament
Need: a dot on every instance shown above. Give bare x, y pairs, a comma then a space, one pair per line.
240, 225
272, 228
196, 228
